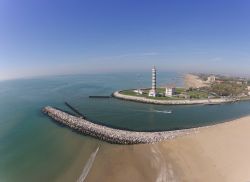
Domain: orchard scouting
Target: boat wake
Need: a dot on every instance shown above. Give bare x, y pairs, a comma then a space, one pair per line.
158, 111
88, 166
164, 111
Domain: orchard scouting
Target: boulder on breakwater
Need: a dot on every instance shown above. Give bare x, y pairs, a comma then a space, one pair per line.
108, 134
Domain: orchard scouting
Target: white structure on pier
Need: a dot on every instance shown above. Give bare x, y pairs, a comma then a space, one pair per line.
138, 91
170, 91
152, 92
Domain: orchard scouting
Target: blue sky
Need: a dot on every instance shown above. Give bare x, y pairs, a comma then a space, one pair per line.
98, 36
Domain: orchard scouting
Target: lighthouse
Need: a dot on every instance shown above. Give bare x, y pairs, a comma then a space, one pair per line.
152, 92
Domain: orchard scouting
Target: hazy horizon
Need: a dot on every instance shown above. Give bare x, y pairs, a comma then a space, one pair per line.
85, 37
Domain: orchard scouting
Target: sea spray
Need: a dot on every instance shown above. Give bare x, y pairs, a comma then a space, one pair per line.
88, 166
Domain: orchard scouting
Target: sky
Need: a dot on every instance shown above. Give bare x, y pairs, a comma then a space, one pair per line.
101, 36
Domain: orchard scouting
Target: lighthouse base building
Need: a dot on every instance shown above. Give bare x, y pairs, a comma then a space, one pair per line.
152, 93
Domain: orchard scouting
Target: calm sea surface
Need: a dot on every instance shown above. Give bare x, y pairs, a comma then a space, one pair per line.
33, 148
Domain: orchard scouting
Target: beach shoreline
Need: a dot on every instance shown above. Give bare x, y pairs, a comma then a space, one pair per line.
218, 153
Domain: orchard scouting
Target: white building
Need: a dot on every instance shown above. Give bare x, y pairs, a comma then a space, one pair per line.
138, 91
211, 78
152, 92
248, 88
170, 91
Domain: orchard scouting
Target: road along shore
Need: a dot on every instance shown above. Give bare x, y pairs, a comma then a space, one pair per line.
111, 135
118, 95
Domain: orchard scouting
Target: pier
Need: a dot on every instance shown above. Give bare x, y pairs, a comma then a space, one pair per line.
74, 109
111, 135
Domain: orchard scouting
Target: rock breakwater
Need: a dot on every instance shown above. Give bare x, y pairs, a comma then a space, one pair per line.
108, 134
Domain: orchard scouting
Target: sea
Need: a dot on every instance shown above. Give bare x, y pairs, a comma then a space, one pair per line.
35, 148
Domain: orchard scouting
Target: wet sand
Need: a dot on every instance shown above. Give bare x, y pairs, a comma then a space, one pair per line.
218, 153
193, 81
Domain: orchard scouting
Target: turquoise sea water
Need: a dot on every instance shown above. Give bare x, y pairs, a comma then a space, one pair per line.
33, 148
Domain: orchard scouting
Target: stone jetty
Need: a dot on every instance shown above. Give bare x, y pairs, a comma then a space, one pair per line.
108, 134
74, 109
118, 95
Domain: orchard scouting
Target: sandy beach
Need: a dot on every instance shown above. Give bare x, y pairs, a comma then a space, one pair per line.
193, 81
219, 153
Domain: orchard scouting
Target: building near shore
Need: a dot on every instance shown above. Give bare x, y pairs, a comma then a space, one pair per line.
211, 79
248, 89
138, 91
152, 92
170, 91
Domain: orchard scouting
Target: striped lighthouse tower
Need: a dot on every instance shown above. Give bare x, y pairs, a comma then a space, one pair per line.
152, 92
154, 79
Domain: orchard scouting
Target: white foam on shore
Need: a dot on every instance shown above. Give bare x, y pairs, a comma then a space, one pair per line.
165, 171
88, 166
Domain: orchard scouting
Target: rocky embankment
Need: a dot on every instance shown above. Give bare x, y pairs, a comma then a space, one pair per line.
108, 134
118, 95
